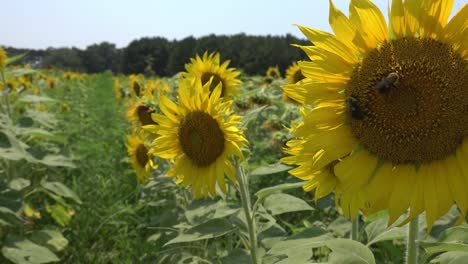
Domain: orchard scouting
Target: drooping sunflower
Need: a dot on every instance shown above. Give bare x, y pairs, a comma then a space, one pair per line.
294, 74
199, 135
391, 117
139, 115
140, 158
136, 88
273, 72
209, 67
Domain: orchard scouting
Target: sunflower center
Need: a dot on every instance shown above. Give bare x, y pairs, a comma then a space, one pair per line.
144, 115
201, 138
216, 80
142, 155
407, 101
298, 76
136, 88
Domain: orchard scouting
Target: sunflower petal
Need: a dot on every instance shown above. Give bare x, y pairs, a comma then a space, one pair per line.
329, 42
397, 19
369, 21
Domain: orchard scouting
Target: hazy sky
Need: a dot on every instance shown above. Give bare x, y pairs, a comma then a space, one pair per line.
79, 23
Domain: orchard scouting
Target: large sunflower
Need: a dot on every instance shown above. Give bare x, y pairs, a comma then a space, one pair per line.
140, 158
208, 68
392, 107
199, 135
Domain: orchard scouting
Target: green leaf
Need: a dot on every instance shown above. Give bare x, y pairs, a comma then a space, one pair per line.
25, 121
4, 141
340, 226
8, 217
280, 187
455, 234
211, 229
270, 169
280, 203
19, 184
298, 248
346, 251
200, 211
61, 189
437, 247
237, 256
377, 231
16, 58
57, 161
452, 257
50, 238
21, 250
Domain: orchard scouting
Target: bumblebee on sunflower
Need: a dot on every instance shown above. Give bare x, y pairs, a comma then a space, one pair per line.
390, 127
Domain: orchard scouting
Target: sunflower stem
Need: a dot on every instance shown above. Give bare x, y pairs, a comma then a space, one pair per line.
411, 247
355, 228
250, 217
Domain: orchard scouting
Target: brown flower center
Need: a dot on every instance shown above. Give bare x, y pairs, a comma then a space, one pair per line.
407, 101
298, 76
216, 80
144, 115
136, 88
141, 154
201, 138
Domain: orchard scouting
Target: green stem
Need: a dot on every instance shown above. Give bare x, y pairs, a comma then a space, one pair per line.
7, 96
411, 247
245, 197
355, 228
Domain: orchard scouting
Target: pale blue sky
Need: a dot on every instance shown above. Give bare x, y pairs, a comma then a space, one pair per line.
79, 23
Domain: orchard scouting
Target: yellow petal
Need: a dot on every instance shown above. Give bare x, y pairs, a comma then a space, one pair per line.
457, 183
369, 21
456, 27
412, 10
313, 92
380, 187
327, 60
329, 42
404, 178
355, 171
434, 17
397, 19
321, 71
345, 31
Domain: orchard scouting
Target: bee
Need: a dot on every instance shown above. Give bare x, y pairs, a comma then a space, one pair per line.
353, 108
388, 82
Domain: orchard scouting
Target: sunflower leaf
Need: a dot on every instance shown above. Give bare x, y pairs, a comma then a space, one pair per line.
346, 251
211, 229
280, 203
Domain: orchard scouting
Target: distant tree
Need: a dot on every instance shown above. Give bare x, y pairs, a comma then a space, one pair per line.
180, 53
100, 57
63, 58
139, 52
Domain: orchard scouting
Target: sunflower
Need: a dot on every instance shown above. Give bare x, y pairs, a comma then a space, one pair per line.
391, 117
273, 72
139, 114
208, 68
3, 58
199, 135
135, 86
140, 158
294, 74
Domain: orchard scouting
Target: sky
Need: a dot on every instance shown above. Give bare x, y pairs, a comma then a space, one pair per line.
80, 23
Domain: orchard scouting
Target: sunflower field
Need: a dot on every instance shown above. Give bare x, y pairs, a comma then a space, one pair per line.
357, 154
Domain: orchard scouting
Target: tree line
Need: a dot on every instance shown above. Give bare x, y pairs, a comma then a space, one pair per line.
163, 57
